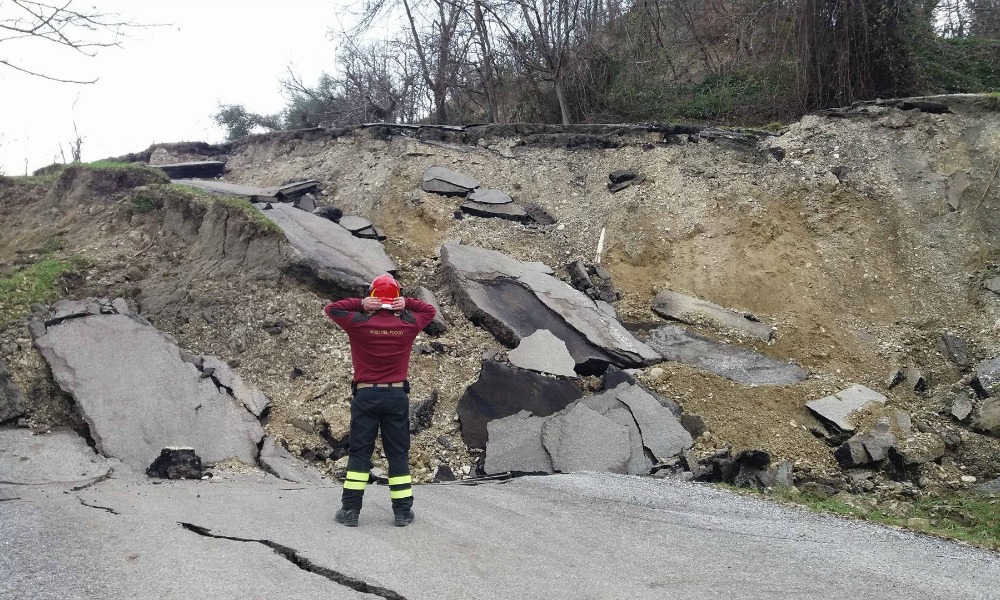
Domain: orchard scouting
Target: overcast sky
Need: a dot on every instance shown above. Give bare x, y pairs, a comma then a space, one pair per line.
165, 82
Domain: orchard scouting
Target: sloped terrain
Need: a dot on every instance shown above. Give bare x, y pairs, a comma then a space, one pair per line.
861, 237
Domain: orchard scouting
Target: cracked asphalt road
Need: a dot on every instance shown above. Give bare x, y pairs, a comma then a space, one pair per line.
567, 536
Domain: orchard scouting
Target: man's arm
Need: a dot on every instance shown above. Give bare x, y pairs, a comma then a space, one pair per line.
343, 311
422, 311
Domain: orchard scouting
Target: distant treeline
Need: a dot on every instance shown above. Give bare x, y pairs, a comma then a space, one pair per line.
580, 61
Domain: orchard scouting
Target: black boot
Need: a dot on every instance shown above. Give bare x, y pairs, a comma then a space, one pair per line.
403, 517
348, 516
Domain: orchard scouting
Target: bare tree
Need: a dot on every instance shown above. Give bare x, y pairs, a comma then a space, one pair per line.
84, 31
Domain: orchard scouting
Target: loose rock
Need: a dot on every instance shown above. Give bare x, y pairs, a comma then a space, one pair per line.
838, 409
11, 404
176, 463
693, 311
543, 352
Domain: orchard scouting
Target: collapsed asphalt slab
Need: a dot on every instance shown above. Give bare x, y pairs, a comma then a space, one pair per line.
512, 299
58, 457
139, 392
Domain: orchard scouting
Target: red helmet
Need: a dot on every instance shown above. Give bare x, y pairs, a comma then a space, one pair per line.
385, 287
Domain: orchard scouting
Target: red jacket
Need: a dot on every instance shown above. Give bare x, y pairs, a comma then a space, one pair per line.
380, 341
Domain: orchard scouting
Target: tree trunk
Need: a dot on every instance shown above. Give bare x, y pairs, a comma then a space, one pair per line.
563, 104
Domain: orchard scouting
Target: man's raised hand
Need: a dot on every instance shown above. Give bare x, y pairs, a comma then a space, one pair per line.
398, 304
370, 304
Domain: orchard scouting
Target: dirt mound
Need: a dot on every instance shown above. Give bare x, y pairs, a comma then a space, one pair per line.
862, 237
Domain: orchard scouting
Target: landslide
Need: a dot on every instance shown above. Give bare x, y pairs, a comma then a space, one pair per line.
847, 244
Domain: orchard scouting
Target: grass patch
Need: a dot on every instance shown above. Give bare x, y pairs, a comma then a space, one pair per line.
142, 203
32, 284
971, 519
205, 198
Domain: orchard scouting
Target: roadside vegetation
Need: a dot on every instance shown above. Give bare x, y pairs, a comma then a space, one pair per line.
30, 284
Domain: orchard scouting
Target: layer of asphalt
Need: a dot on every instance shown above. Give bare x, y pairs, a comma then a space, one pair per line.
568, 536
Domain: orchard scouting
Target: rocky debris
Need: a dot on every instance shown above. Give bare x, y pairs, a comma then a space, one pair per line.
371, 233
176, 463
987, 376
694, 311
614, 377
958, 182
224, 377
992, 284
986, 417
278, 462
443, 473
502, 391
962, 406
438, 326
422, 413
619, 180
732, 362
488, 196
662, 434
155, 396
593, 280
447, 182
990, 488
331, 213
581, 439
867, 448
749, 468
955, 350
509, 211
11, 404
515, 445
202, 169
917, 449
513, 299
543, 352
59, 457
538, 214
839, 408
354, 223
327, 253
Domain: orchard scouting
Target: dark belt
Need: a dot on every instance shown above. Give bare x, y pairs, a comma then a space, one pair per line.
395, 384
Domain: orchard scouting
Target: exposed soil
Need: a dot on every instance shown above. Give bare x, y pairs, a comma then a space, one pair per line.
847, 245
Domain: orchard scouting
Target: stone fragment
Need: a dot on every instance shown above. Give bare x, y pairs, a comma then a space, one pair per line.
60, 457
917, 379
253, 399
354, 223
990, 488
543, 352
443, 473
639, 462
693, 424
732, 362
538, 214
986, 417
502, 391
987, 376
896, 376
513, 299
438, 326
11, 403
331, 213
695, 311
903, 421
488, 196
961, 406
777, 476
614, 377
306, 202
583, 440
448, 182
176, 463
662, 433
751, 468
958, 182
422, 413
515, 445
852, 453
955, 350
328, 254
619, 180
151, 398
917, 449
278, 462
992, 284
840, 407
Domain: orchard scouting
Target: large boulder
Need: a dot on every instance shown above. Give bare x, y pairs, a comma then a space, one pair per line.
448, 182
328, 253
138, 391
917, 449
732, 362
581, 439
513, 299
839, 409
11, 404
694, 311
502, 391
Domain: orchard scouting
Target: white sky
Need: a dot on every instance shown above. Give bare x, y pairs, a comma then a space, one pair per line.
165, 82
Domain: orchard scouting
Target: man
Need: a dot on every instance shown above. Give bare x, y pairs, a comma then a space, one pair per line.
381, 329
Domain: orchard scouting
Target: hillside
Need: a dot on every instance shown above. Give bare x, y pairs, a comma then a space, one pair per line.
861, 235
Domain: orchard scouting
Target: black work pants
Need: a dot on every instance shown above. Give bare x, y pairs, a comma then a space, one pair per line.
373, 409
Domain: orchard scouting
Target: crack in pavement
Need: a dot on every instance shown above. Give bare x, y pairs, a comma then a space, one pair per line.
292, 556
100, 479
110, 510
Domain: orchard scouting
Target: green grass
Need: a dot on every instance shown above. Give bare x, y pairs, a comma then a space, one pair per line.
31, 284
142, 203
205, 198
972, 519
